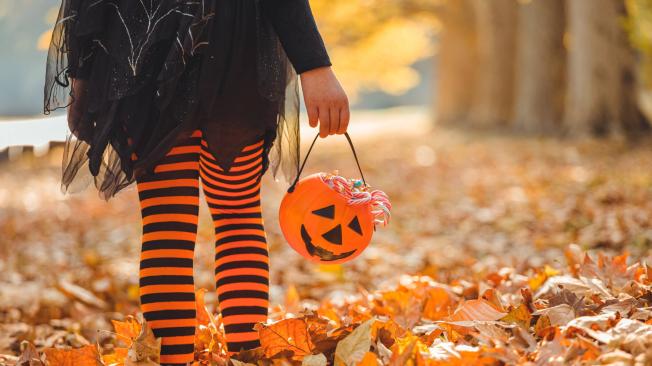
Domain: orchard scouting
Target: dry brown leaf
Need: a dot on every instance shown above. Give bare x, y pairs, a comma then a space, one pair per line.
240, 363
479, 309
352, 349
80, 293
314, 360
30, 356
558, 315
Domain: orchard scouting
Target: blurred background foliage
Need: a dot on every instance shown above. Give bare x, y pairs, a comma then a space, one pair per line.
581, 67
639, 27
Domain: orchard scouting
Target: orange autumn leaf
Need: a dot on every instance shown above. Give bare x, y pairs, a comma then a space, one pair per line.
493, 297
204, 317
286, 335
519, 315
127, 330
145, 349
479, 309
84, 356
541, 276
405, 348
116, 358
438, 305
369, 359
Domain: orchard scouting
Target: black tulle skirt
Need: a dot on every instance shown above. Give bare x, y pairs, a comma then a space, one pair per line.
139, 75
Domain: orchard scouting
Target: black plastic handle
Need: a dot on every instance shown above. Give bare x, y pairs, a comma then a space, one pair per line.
355, 156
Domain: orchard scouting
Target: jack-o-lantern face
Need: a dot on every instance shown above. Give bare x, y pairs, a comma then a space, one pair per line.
321, 226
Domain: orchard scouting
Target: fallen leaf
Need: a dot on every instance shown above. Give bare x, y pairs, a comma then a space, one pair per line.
117, 358
145, 349
286, 335
558, 315
80, 294
127, 330
85, 356
240, 363
519, 315
479, 309
369, 359
30, 356
352, 349
314, 360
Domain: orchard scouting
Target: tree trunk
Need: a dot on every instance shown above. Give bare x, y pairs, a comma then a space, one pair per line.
456, 62
494, 90
539, 90
601, 73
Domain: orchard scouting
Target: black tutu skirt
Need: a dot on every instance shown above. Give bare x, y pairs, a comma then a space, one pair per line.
139, 75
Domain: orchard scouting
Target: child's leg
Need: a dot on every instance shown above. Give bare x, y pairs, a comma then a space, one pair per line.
241, 259
169, 201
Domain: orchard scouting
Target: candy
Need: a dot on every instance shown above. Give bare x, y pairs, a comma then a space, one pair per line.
357, 193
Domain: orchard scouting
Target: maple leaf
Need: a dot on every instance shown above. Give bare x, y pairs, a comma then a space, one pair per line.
145, 348
286, 335
127, 330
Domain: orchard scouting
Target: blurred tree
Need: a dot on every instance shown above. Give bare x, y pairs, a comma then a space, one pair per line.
374, 43
601, 89
496, 27
540, 66
456, 64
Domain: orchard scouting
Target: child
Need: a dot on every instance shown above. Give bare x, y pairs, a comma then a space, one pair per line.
163, 92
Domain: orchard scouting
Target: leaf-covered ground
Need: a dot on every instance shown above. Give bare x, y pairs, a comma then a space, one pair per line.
484, 261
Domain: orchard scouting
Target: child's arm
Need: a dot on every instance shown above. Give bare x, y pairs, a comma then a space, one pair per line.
324, 97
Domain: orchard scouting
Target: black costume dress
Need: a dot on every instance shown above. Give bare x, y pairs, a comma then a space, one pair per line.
139, 75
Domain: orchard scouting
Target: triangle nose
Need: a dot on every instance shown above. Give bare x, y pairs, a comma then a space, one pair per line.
334, 235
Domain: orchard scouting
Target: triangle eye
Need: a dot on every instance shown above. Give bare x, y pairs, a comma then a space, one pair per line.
334, 235
327, 212
355, 225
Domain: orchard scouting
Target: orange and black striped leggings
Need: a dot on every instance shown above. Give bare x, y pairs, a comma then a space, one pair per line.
169, 200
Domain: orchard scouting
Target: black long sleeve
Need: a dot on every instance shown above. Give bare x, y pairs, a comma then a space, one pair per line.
296, 27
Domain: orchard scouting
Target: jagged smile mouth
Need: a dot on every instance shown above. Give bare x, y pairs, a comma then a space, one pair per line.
324, 254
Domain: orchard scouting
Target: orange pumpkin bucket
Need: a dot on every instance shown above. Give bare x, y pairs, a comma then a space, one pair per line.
330, 219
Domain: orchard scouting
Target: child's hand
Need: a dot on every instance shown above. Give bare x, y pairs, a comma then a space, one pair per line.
325, 101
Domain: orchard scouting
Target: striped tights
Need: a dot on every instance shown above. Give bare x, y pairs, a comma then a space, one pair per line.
169, 200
